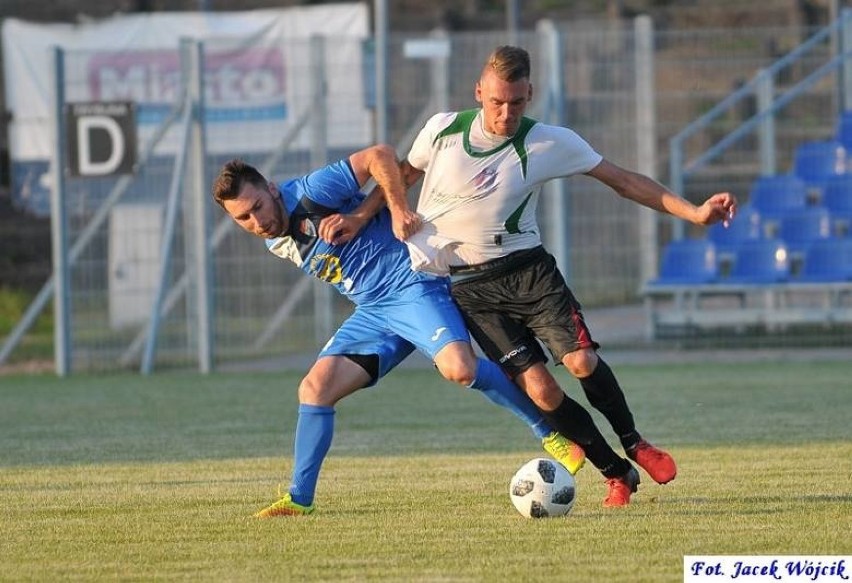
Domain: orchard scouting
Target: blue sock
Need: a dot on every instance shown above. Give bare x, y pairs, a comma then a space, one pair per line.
494, 384
314, 431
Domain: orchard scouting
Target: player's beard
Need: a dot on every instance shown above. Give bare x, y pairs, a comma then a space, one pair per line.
280, 222
277, 224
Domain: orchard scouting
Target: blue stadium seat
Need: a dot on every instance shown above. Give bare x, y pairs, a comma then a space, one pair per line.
828, 260
775, 196
815, 162
801, 228
761, 262
746, 226
837, 198
688, 261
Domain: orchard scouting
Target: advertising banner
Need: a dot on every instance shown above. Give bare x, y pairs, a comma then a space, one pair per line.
256, 69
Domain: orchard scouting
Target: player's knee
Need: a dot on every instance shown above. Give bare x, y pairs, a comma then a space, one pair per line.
312, 392
581, 363
546, 395
458, 372
308, 391
541, 387
457, 363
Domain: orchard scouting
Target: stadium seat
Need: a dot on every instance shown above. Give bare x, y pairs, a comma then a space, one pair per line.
801, 228
775, 196
828, 260
688, 261
844, 130
761, 262
746, 226
837, 198
815, 162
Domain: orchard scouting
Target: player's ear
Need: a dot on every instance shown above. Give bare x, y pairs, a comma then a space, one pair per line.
477, 92
530, 93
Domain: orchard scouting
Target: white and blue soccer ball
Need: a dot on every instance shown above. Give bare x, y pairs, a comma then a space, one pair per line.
542, 487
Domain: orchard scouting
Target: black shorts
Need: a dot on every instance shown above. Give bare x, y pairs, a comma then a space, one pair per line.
522, 298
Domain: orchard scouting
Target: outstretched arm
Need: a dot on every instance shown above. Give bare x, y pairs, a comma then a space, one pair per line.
639, 188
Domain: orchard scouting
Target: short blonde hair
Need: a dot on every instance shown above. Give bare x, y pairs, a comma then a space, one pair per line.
509, 63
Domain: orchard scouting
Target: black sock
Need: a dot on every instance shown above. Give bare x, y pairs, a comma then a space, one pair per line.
574, 422
629, 440
605, 395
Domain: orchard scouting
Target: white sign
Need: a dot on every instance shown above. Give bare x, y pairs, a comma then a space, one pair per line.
431, 48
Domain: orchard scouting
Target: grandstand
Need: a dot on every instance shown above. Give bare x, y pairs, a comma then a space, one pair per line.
785, 261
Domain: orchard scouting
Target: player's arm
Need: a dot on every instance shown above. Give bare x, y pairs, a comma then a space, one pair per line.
643, 190
339, 228
410, 174
380, 163
378, 197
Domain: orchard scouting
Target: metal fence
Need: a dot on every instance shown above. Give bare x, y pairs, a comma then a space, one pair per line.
625, 87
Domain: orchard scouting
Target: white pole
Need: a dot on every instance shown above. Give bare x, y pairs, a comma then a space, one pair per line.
512, 20
380, 14
766, 129
59, 226
200, 204
555, 198
646, 140
323, 296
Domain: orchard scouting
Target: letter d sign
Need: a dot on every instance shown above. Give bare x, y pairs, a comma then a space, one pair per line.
101, 138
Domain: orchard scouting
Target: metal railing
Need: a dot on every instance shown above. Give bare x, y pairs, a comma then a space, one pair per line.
763, 87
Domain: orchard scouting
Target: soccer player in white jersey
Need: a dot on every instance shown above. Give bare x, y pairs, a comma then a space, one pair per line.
483, 171
397, 309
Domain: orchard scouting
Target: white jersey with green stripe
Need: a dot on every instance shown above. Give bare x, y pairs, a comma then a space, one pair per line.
480, 192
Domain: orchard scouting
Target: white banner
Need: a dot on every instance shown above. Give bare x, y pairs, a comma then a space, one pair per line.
256, 71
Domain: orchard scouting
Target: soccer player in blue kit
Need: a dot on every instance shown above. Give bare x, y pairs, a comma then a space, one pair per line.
397, 309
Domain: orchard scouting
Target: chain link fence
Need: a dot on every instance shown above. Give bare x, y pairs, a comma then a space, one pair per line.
133, 266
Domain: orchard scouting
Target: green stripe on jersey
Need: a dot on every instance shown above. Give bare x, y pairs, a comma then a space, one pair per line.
464, 119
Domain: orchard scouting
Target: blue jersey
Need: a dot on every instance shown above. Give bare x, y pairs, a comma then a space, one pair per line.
371, 267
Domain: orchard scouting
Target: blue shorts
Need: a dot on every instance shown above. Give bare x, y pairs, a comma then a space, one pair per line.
424, 316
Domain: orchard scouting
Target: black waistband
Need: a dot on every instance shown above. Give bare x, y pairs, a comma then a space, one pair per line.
500, 265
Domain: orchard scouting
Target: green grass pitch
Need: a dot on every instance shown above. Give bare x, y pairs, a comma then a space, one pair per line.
127, 477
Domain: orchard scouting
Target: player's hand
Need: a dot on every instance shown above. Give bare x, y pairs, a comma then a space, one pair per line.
338, 229
722, 206
405, 223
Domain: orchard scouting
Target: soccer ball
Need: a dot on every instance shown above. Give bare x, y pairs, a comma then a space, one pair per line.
543, 487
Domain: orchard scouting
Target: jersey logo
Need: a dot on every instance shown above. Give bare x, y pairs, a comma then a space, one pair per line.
448, 142
438, 333
304, 220
307, 228
513, 353
327, 268
485, 182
